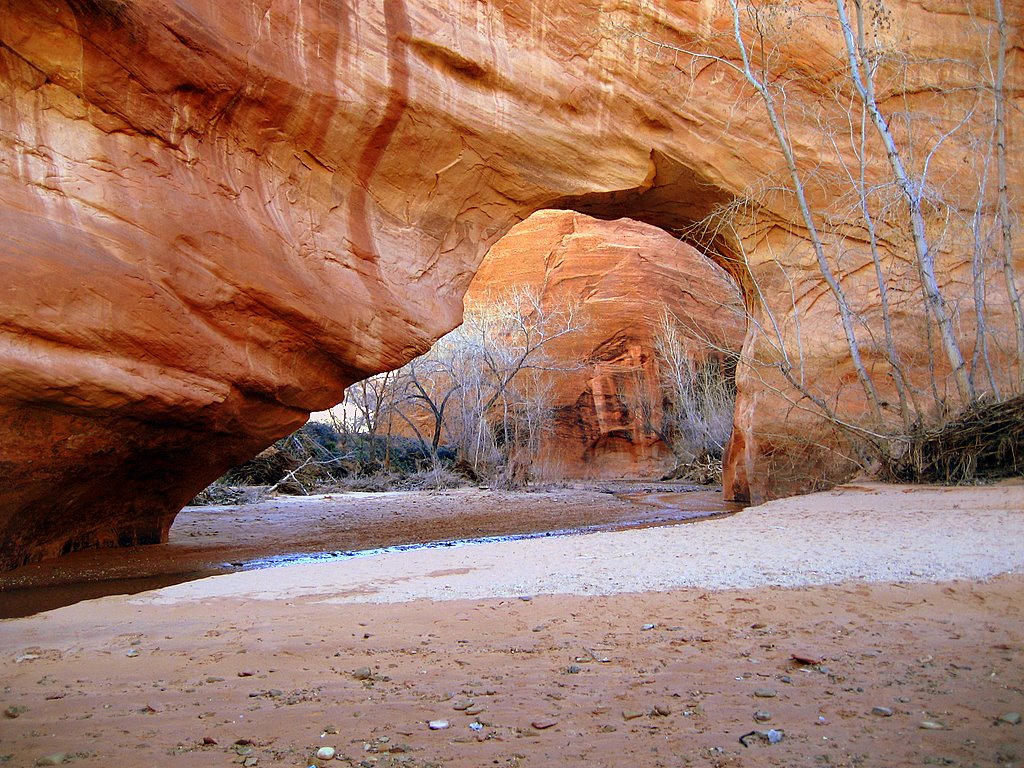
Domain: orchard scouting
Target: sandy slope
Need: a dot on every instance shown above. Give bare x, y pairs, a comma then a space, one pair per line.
287, 661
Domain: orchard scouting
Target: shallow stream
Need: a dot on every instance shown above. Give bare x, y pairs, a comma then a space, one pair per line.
213, 541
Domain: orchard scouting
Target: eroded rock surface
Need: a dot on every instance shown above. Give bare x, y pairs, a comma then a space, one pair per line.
216, 215
624, 276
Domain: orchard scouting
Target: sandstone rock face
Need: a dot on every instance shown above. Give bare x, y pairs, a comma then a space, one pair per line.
217, 215
624, 275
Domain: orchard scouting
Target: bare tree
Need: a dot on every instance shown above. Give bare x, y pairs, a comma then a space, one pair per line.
485, 387
371, 408
871, 202
510, 335
1006, 214
698, 395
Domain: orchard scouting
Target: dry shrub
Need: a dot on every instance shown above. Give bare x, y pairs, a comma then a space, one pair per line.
985, 442
706, 469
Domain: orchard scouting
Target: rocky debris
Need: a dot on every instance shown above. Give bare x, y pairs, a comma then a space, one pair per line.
438, 725
882, 711
272, 693
771, 736
808, 659
1010, 718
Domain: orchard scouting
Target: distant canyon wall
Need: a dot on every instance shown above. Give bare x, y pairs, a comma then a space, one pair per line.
216, 215
622, 278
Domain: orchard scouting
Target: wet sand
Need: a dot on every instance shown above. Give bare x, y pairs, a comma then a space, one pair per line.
917, 661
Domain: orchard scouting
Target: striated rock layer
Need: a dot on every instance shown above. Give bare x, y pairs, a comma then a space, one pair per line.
624, 276
217, 215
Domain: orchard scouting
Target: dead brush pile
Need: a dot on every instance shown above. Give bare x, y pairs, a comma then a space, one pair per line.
985, 442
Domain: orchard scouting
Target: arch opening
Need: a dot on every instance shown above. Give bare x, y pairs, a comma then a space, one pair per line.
590, 349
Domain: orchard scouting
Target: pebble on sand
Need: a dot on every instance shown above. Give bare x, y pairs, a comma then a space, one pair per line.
1010, 718
325, 753
808, 659
438, 725
882, 711
57, 758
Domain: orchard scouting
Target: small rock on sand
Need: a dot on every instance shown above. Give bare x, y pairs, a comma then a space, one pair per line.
325, 753
1010, 718
882, 711
810, 659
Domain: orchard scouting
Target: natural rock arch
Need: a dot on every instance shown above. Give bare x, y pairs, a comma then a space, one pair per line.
220, 214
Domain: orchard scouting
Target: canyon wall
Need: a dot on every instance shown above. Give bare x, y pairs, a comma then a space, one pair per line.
217, 215
621, 277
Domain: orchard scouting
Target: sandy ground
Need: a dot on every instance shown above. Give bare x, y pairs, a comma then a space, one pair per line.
660, 647
213, 540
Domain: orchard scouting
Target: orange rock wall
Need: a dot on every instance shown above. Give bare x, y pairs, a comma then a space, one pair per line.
216, 215
623, 275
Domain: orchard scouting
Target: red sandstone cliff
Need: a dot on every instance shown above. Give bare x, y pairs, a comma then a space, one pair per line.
624, 275
217, 215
